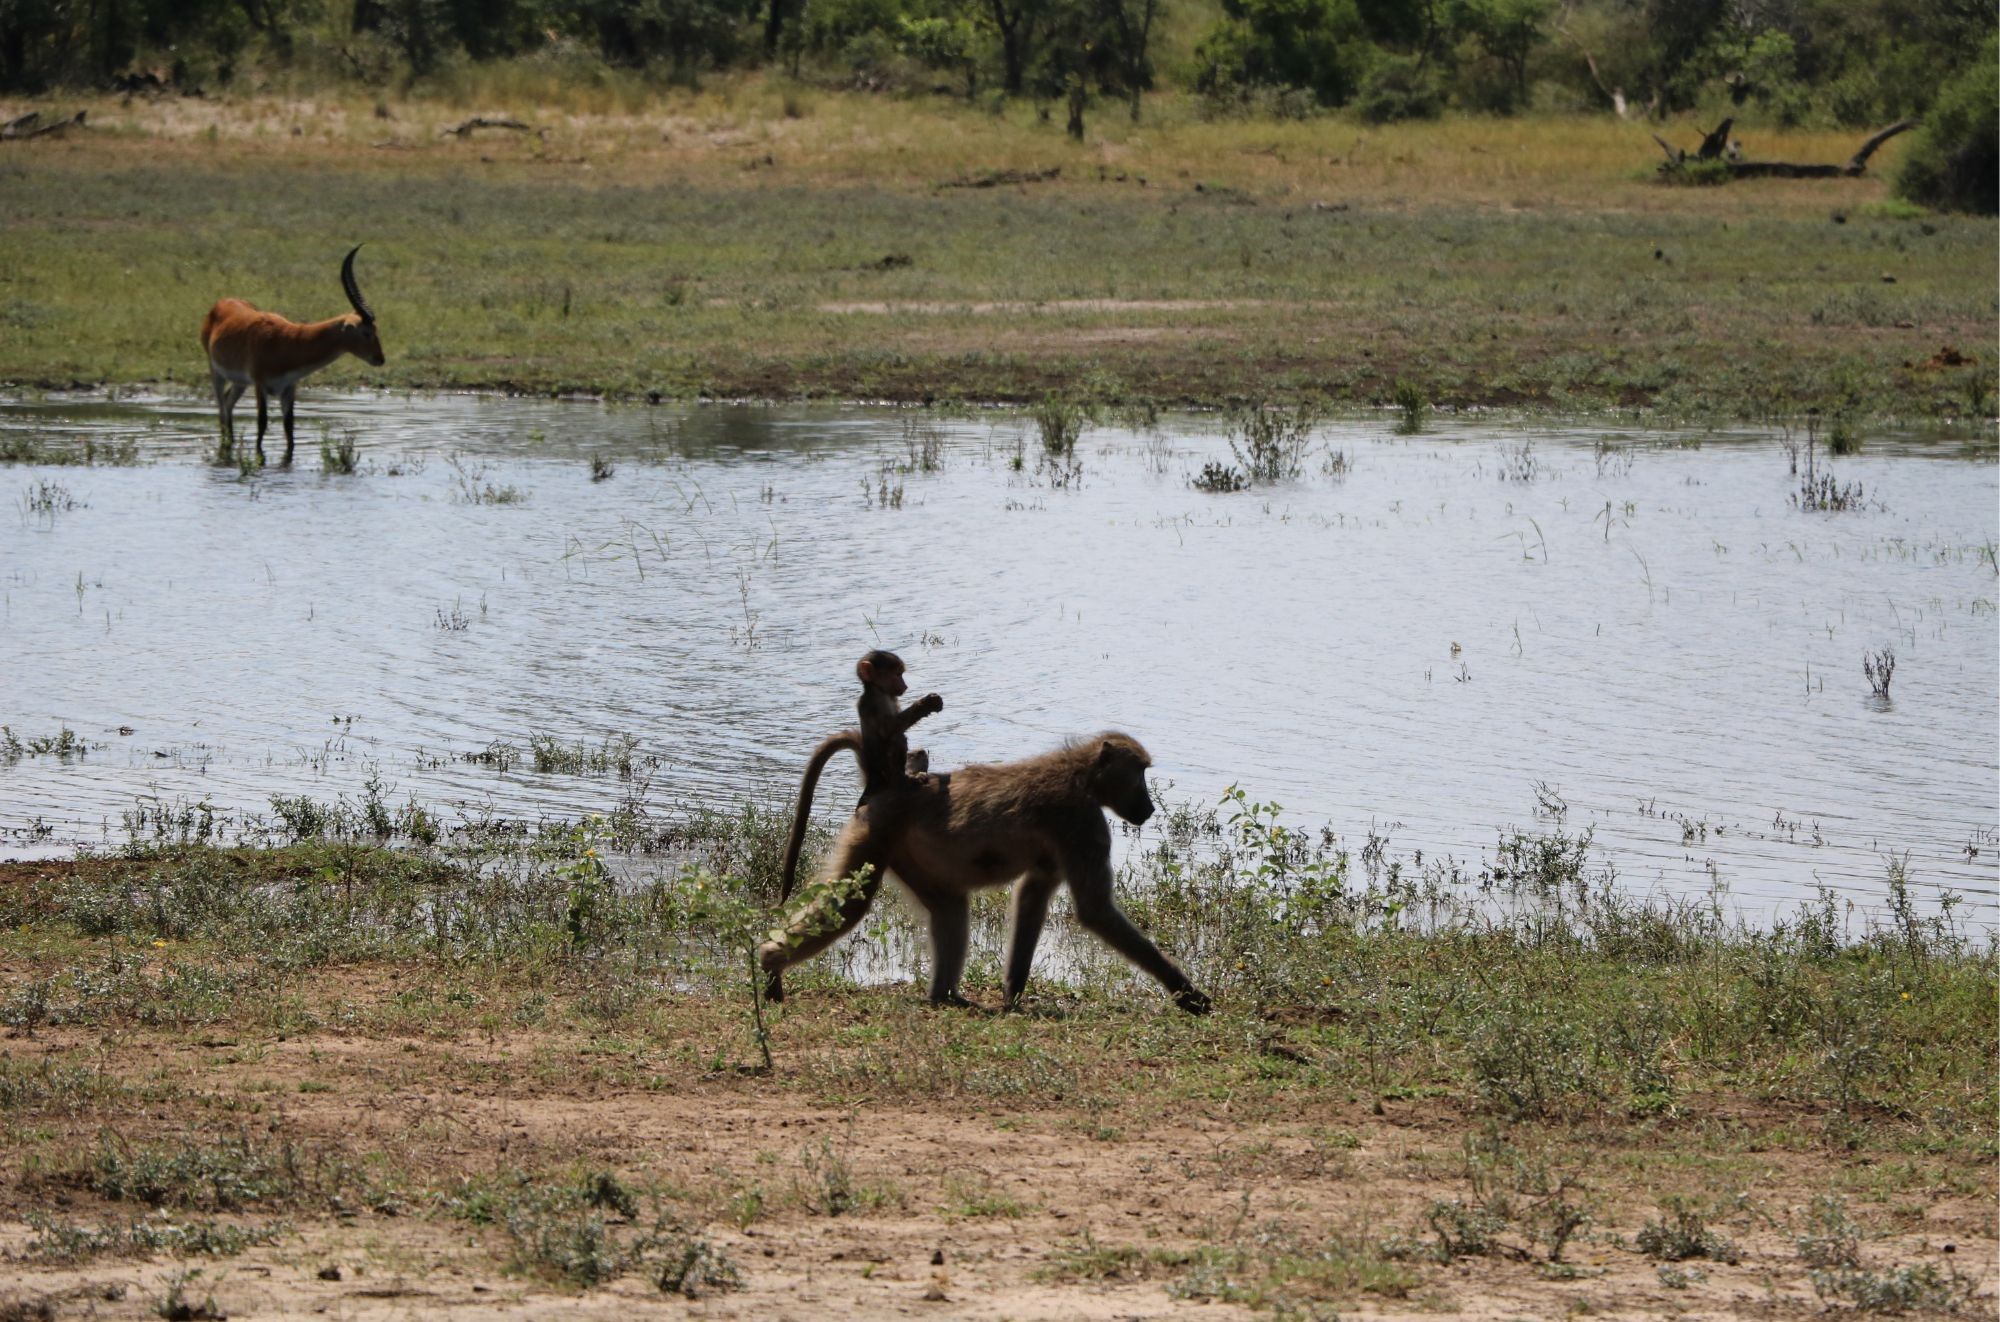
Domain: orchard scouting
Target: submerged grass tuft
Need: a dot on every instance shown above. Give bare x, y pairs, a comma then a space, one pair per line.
44, 499
338, 454
64, 744
1270, 442
1880, 669
18, 448
1059, 421
615, 753
1413, 404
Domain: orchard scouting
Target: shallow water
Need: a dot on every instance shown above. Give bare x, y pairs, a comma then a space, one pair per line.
1654, 634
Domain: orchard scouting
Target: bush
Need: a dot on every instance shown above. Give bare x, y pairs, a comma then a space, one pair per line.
1398, 90
1270, 442
1683, 1233
1319, 45
1952, 166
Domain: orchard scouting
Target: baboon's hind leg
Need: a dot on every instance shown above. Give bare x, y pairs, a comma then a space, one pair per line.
1090, 888
1030, 912
951, 938
819, 925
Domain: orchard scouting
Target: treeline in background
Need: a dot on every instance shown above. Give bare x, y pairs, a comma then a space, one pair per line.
1813, 63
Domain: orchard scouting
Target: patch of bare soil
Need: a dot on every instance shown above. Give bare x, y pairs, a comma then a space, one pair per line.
971, 1209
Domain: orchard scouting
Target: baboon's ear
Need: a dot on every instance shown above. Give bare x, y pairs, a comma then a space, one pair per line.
1105, 752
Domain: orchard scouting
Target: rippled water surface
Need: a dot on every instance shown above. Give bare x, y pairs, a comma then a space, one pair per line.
1649, 632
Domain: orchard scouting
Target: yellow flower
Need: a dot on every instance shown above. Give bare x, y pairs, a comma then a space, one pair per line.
161, 945
1906, 996
590, 853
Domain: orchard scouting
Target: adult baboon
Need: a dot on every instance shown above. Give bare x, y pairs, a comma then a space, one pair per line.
1037, 824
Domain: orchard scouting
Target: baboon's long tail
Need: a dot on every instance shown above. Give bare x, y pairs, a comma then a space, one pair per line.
796, 842
774, 986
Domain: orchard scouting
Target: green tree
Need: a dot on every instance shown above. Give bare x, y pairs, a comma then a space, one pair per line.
1954, 165
686, 33
948, 43
1507, 30
1319, 45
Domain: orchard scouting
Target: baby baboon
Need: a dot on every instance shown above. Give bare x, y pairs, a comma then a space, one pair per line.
1037, 824
886, 759
881, 746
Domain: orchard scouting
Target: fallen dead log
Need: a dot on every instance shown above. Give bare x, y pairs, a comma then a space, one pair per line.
1727, 157
466, 129
996, 178
31, 125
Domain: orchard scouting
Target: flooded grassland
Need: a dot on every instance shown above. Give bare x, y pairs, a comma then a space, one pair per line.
515, 608
389, 837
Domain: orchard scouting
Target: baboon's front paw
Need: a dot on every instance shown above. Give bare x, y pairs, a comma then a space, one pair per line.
952, 1001
1193, 1000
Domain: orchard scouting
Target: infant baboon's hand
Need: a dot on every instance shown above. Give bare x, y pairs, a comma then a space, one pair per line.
931, 703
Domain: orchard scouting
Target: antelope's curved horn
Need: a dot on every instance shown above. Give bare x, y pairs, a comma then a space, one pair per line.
353, 289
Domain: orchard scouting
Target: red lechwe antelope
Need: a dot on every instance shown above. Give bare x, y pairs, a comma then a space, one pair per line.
262, 349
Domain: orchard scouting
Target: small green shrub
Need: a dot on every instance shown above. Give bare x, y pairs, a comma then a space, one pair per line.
1060, 422
218, 1178
701, 1269
1919, 1289
1691, 173
1413, 402
587, 1233
1270, 442
1464, 1230
1530, 1060
1683, 1233
1830, 1237
66, 1242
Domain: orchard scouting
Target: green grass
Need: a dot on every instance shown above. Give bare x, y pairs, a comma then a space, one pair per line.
1576, 1004
1497, 263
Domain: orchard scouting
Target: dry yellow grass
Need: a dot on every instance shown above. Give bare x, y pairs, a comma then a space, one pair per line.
722, 133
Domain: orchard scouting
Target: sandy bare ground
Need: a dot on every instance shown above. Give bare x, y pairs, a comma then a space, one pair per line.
978, 1211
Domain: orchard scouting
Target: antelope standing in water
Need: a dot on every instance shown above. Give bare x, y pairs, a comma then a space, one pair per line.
248, 348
